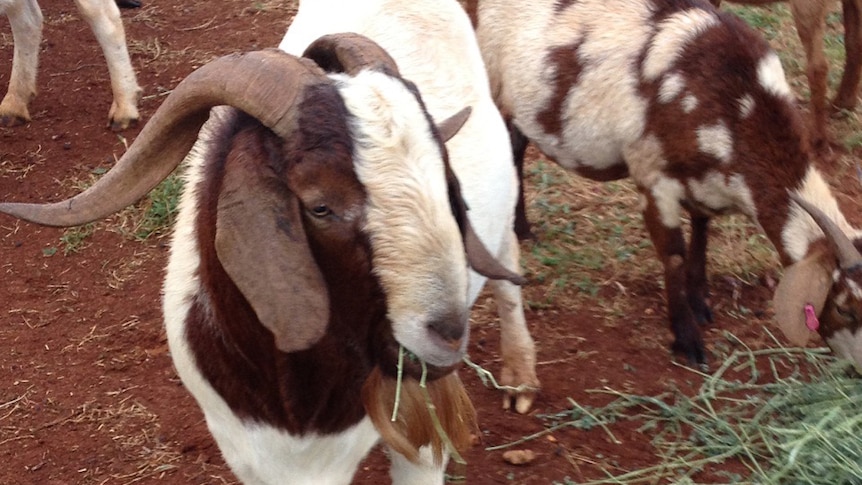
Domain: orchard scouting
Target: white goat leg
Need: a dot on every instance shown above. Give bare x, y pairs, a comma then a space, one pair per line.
25, 18
103, 16
517, 347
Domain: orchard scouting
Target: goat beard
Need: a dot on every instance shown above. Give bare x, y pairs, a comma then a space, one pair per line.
414, 426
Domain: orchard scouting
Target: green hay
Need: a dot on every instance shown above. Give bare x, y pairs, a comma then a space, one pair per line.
787, 416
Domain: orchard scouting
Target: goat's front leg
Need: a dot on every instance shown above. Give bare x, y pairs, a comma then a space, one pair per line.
25, 18
517, 348
698, 288
103, 16
667, 237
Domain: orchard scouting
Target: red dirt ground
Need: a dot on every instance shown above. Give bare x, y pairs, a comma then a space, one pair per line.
88, 394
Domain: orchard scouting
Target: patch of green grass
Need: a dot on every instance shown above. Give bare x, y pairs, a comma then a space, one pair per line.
768, 19
785, 415
158, 209
74, 239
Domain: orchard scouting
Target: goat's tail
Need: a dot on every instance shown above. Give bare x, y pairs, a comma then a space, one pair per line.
441, 415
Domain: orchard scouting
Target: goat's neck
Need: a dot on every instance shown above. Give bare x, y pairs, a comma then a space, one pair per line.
790, 229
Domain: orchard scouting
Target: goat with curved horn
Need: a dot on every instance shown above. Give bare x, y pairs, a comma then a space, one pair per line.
847, 254
264, 84
320, 232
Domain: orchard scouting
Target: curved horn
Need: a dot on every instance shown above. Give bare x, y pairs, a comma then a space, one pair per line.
254, 82
847, 254
350, 53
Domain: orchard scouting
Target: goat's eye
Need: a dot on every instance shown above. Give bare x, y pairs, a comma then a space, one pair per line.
845, 313
320, 210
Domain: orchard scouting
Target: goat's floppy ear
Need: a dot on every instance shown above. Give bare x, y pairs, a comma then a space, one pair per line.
805, 282
481, 260
478, 256
262, 245
450, 126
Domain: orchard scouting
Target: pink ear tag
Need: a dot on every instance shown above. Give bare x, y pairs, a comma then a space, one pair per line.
811, 320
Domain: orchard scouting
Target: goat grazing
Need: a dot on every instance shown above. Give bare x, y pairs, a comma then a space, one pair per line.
321, 230
693, 105
810, 19
103, 16
435, 47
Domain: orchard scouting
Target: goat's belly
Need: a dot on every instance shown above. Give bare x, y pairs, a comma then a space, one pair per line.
260, 454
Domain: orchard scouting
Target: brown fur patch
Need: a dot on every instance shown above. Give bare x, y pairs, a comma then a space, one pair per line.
567, 71
563, 4
414, 425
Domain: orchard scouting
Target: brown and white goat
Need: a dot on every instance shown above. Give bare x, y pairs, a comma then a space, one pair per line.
103, 17
435, 47
810, 19
321, 229
693, 106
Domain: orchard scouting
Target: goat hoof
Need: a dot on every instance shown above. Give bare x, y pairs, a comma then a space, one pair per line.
523, 402
695, 355
12, 120
128, 3
122, 125
704, 316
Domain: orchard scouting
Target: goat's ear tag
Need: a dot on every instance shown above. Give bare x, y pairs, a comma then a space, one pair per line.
450, 126
811, 320
801, 295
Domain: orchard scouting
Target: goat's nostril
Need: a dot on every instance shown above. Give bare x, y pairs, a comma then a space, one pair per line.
451, 330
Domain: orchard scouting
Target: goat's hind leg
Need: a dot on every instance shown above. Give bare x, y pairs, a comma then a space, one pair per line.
810, 19
25, 18
846, 97
669, 244
103, 16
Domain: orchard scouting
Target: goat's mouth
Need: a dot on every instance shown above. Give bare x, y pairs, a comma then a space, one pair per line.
398, 357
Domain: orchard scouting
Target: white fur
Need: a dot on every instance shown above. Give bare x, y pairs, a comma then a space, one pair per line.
716, 140
801, 230
718, 193
435, 47
671, 87
689, 103
668, 193
746, 105
408, 219
771, 76
103, 17
674, 33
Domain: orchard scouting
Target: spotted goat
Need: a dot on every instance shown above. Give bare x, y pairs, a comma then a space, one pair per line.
103, 17
693, 106
321, 230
